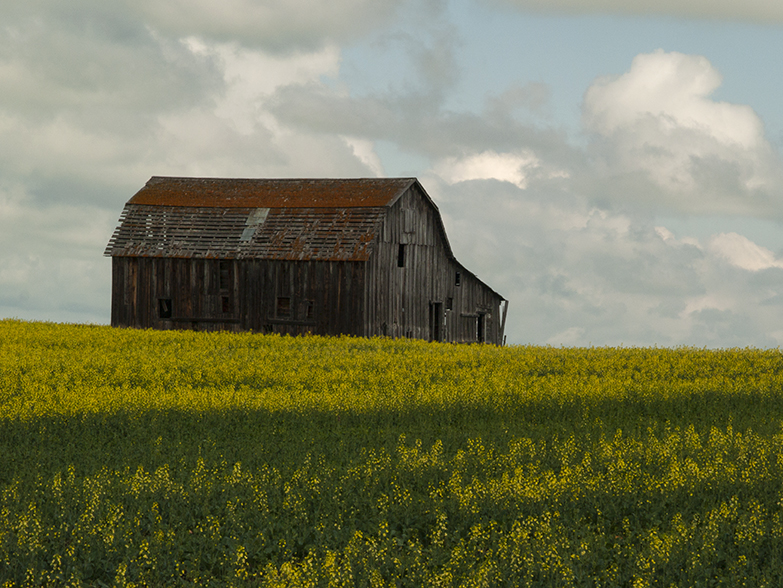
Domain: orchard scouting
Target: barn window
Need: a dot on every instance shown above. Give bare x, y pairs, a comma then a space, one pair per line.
283, 307
164, 308
225, 304
449, 303
458, 279
401, 255
306, 309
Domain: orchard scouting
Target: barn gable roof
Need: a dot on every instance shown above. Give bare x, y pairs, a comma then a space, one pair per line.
289, 219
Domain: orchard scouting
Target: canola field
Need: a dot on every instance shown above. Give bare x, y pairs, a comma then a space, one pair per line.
143, 458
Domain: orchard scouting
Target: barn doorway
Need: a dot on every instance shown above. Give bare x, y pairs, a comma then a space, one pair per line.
436, 321
481, 336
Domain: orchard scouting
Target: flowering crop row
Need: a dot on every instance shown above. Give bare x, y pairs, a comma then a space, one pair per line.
145, 458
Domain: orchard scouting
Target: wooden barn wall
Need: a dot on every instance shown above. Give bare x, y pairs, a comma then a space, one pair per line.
324, 297
201, 293
205, 294
400, 300
474, 306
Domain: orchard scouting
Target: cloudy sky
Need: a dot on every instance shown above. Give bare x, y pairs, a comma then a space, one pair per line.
612, 167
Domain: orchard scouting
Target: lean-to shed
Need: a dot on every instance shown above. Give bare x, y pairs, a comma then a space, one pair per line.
363, 257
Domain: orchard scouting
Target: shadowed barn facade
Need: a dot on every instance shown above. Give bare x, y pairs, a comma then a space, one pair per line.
359, 257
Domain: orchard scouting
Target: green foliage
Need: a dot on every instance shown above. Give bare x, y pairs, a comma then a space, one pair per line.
148, 458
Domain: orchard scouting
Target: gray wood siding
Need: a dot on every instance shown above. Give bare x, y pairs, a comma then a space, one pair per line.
324, 298
198, 299
399, 300
420, 300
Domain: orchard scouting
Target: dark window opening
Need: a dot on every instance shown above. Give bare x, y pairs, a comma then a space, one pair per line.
449, 303
283, 307
225, 304
384, 327
457, 279
436, 321
401, 255
482, 330
225, 275
306, 309
164, 308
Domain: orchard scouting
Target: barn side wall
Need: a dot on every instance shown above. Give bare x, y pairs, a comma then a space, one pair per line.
424, 299
165, 293
288, 297
297, 297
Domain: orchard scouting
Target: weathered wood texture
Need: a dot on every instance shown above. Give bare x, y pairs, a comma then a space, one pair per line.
267, 296
390, 273
425, 298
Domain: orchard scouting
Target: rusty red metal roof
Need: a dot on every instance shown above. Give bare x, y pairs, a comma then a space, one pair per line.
271, 193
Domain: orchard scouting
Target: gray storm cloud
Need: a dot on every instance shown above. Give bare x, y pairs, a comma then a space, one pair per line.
274, 26
765, 11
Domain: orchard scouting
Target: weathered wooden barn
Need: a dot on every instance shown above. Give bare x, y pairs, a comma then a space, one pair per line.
323, 256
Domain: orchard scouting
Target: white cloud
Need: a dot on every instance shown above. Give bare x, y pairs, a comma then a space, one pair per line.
708, 302
576, 274
663, 141
674, 89
664, 233
505, 167
365, 151
251, 75
743, 253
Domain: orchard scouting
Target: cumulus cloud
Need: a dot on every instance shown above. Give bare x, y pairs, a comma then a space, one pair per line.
508, 167
364, 150
576, 274
753, 10
743, 253
662, 141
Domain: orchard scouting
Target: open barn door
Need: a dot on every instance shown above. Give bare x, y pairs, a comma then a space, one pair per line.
436, 321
